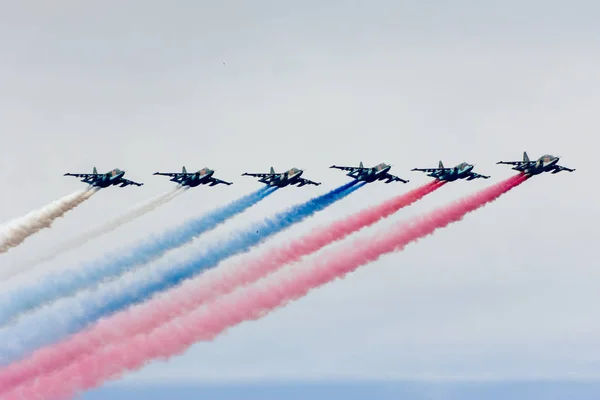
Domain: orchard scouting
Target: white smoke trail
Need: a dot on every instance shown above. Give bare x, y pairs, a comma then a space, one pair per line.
135, 212
15, 232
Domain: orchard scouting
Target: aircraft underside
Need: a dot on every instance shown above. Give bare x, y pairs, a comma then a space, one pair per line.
191, 182
100, 184
447, 178
369, 177
280, 183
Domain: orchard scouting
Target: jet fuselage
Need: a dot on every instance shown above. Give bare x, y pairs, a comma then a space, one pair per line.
460, 171
376, 173
284, 179
105, 180
200, 177
543, 164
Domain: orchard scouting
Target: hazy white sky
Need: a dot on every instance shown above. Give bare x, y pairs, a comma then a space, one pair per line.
242, 86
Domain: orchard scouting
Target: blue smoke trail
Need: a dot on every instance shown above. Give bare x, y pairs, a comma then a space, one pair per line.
77, 313
61, 284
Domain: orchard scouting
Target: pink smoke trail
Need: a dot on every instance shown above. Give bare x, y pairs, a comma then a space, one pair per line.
251, 303
148, 316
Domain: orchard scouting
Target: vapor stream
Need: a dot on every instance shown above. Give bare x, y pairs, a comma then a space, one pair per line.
76, 313
54, 286
134, 213
15, 232
250, 303
147, 316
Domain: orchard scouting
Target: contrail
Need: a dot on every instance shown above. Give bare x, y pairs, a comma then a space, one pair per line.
15, 232
56, 285
251, 303
147, 316
134, 213
76, 313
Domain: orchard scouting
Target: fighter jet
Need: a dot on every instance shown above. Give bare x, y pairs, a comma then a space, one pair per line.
376, 173
114, 177
193, 179
546, 163
282, 179
461, 171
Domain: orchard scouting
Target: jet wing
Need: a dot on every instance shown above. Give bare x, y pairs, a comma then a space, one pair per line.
126, 182
394, 178
558, 168
85, 176
519, 163
303, 182
343, 168
215, 181
431, 169
173, 174
475, 175
259, 175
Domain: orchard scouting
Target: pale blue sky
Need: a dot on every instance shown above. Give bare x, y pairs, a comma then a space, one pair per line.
358, 391
510, 292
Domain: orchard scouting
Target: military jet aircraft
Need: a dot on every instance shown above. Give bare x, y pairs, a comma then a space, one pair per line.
376, 173
282, 179
546, 163
114, 177
461, 171
193, 179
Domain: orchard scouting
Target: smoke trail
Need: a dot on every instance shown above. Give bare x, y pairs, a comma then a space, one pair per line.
57, 285
251, 303
134, 213
15, 232
147, 316
20, 340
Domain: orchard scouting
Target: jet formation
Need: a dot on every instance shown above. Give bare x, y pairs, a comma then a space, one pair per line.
293, 176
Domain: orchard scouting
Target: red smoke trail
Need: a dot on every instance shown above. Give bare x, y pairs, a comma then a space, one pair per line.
148, 316
251, 303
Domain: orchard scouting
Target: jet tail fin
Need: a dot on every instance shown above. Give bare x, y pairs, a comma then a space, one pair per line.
360, 165
95, 171
525, 156
272, 170
183, 170
440, 165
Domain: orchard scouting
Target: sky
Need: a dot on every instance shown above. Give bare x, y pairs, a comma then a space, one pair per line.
146, 86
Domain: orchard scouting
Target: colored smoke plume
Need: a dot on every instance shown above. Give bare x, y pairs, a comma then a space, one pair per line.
250, 303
